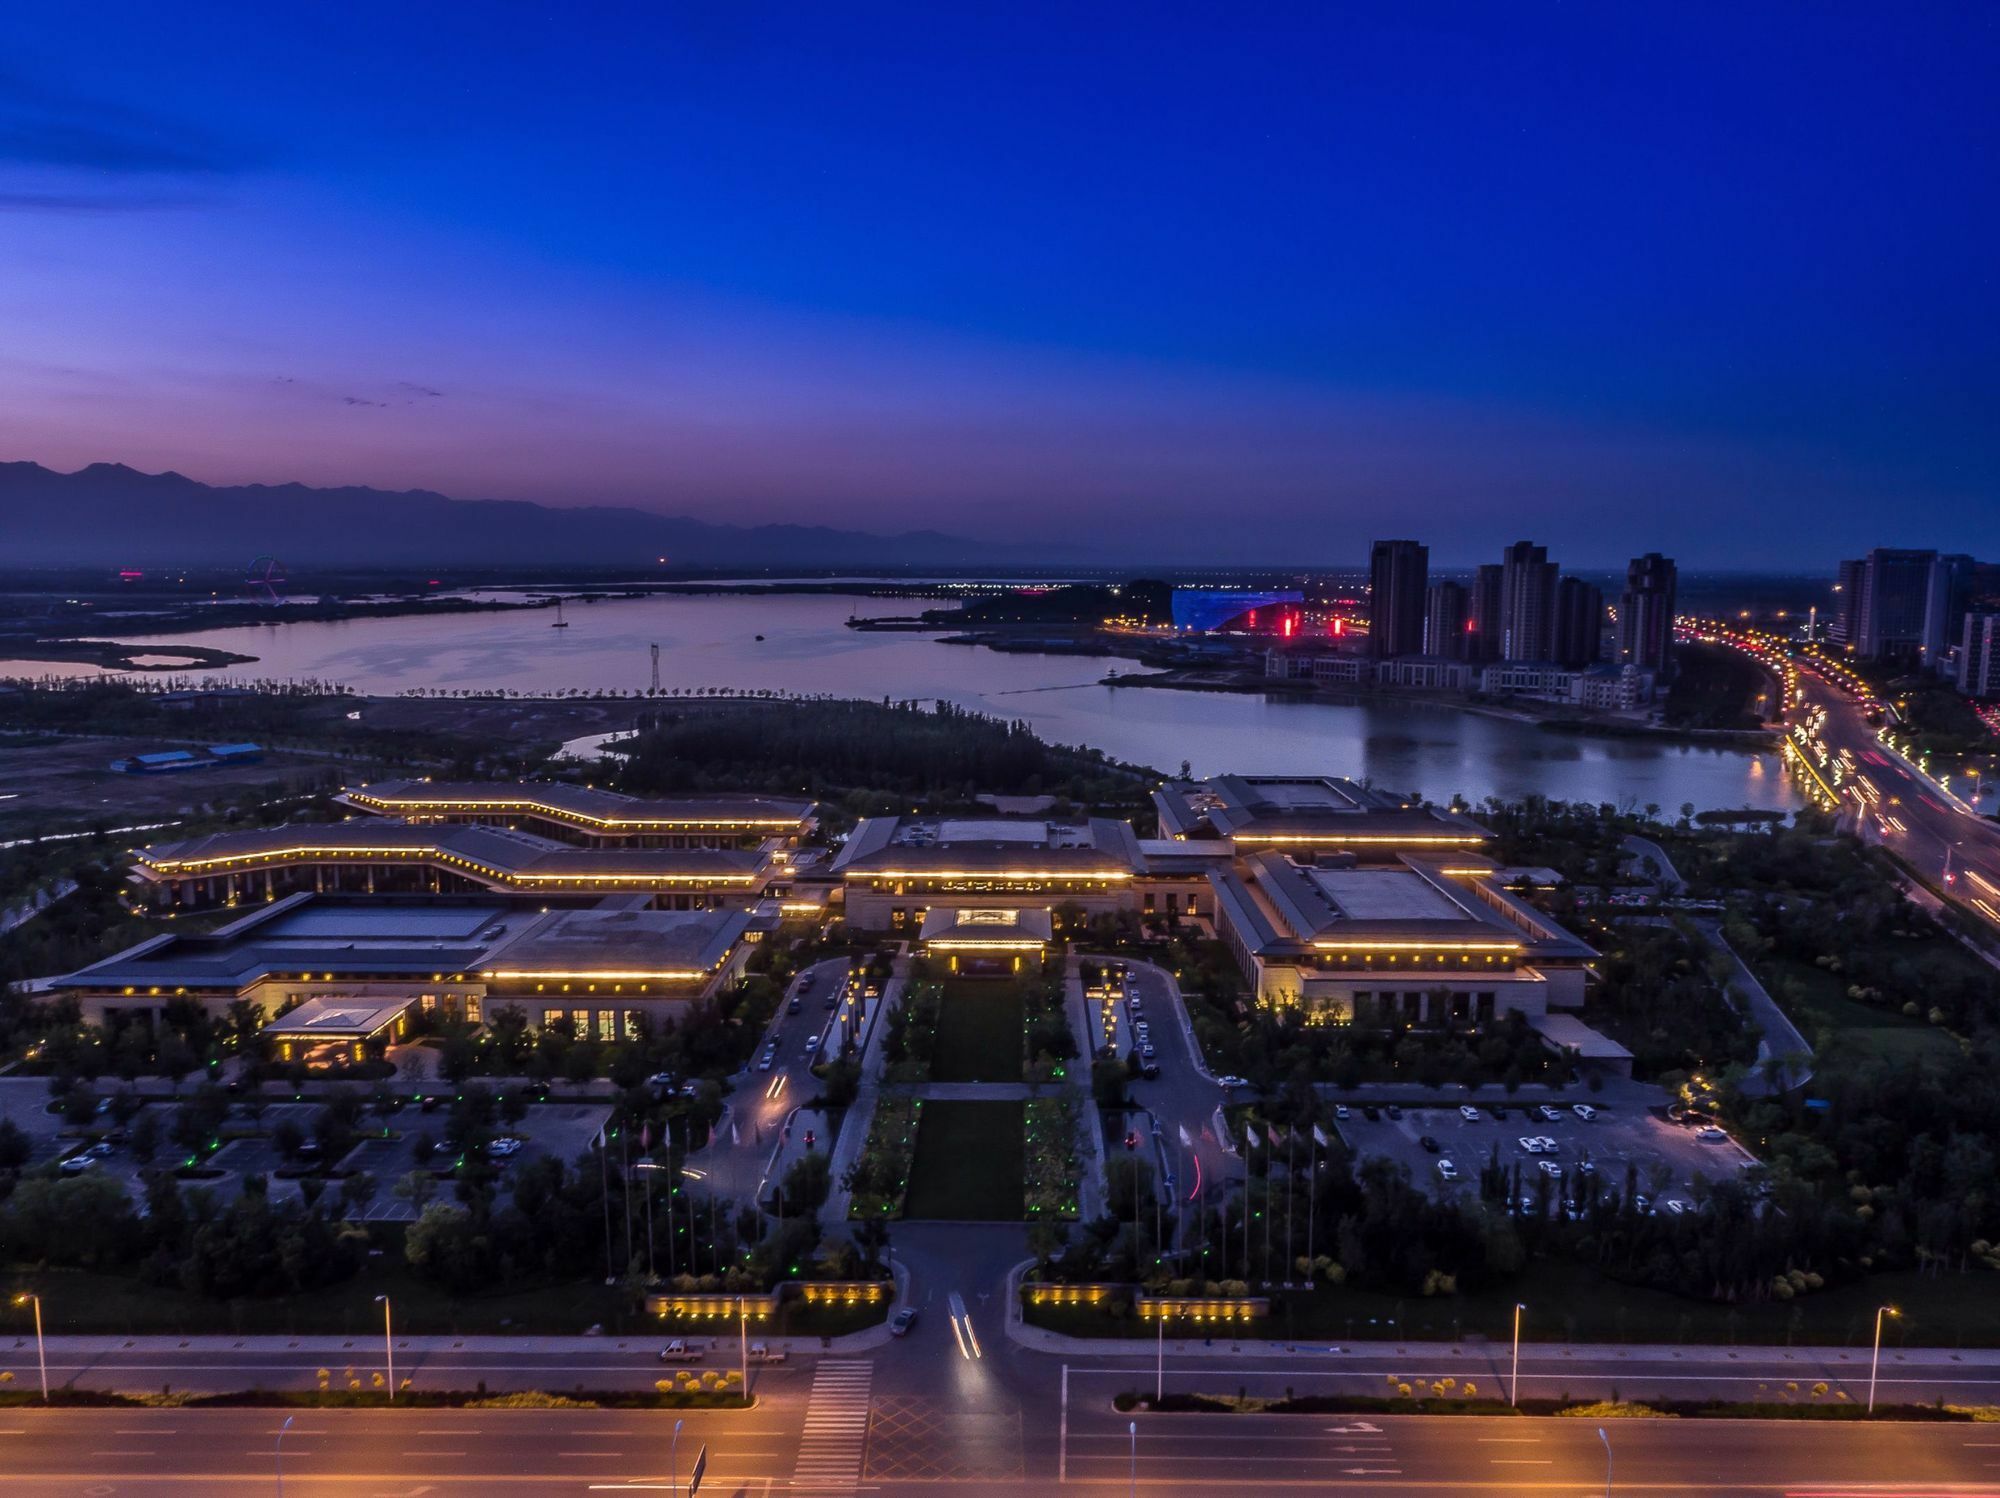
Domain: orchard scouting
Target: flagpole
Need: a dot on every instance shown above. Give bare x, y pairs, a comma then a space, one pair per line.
604, 1190
1268, 1146
1291, 1197
672, 1226
625, 1187
1312, 1196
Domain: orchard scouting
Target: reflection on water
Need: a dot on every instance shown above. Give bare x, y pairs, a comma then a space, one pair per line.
712, 642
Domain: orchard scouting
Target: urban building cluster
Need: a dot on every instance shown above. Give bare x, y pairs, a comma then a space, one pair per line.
1349, 905
1517, 627
1922, 611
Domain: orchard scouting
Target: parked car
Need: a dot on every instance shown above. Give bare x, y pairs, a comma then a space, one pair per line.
677, 1351
902, 1321
1231, 1081
794, 1007
1370, 1112
1583, 1111
1531, 1145
812, 1044
763, 1352
1430, 1144
1340, 1111
1469, 1113
504, 1147
1150, 1071
1393, 1111
1550, 1168
1148, 1051
764, 1061
1447, 1171
1710, 1135
76, 1165
1498, 1110
1550, 1113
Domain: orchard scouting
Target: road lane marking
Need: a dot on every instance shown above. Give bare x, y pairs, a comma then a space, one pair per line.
1522, 1461
123, 1451
433, 1452
562, 1453
1511, 1440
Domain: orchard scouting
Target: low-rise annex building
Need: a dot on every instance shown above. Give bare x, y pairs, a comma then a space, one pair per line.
600, 971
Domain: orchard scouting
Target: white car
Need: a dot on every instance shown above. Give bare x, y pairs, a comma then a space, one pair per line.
503, 1147
764, 1062
1469, 1113
1231, 1081
1583, 1111
812, 1044
1532, 1146
1550, 1113
1447, 1170
1710, 1135
1340, 1111
1548, 1145
1550, 1168
76, 1165
1678, 1208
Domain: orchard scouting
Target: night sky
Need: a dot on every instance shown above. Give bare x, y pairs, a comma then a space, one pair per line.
1180, 282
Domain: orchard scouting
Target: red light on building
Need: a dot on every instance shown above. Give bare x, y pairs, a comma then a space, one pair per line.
1291, 623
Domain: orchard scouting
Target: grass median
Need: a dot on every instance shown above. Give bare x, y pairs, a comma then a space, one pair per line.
970, 1163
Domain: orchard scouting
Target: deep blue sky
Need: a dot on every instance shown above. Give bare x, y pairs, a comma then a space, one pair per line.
1719, 280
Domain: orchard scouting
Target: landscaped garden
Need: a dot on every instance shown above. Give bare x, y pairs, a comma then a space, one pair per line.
1052, 1167
970, 1164
881, 1177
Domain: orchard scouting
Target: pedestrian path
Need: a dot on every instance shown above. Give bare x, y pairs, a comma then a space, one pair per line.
836, 1433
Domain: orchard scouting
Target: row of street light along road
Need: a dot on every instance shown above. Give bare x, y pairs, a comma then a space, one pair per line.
1852, 766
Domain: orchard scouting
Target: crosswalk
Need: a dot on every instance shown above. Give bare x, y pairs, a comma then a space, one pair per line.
836, 1430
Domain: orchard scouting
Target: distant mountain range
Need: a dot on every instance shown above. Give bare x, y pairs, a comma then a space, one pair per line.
110, 515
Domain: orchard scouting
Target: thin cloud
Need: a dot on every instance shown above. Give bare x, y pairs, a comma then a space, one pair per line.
49, 127
85, 202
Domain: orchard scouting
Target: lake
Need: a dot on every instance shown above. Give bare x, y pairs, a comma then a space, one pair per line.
712, 641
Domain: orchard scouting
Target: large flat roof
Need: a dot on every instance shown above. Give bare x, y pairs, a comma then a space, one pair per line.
620, 944
1305, 809
1280, 905
583, 806
412, 938
927, 846
501, 856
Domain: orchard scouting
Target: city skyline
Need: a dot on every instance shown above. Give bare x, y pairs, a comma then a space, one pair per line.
1593, 278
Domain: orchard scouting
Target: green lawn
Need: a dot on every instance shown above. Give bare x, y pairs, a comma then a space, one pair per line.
979, 1035
970, 1163
1572, 1303
1827, 1007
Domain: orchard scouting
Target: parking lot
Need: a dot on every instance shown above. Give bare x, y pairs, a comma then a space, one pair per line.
1623, 1135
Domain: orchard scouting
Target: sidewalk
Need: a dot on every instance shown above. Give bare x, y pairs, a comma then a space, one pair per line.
861, 1116
1781, 1038
1091, 1187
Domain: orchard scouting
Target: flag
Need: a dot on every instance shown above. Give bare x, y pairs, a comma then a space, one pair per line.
734, 1137
1186, 1143
1276, 1138
646, 1138
1319, 1137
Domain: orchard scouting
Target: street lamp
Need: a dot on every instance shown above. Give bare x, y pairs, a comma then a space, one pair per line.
1514, 1380
674, 1461
388, 1346
1607, 1460
278, 1451
1132, 1485
41, 1356
1875, 1359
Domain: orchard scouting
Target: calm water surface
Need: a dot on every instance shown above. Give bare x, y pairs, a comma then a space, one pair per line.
712, 642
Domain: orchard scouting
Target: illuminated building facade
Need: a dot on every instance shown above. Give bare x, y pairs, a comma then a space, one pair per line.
1430, 942
367, 966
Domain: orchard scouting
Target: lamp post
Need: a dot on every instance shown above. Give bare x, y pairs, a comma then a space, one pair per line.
278, 1452
1132, 1483
743, 1340
41, 1356
1160, 1368
1514, 1380
1875, 1358
388, 1345
1607, 1460
674, 1461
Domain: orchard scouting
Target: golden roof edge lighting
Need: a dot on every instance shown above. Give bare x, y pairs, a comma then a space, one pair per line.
595, 977
987, 944
1417, 946
1346, 839
564, 813
861, 873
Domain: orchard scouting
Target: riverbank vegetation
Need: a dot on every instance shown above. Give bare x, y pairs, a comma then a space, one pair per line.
895, 750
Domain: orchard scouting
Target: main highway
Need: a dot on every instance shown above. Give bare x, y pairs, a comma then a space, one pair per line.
1890, 800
